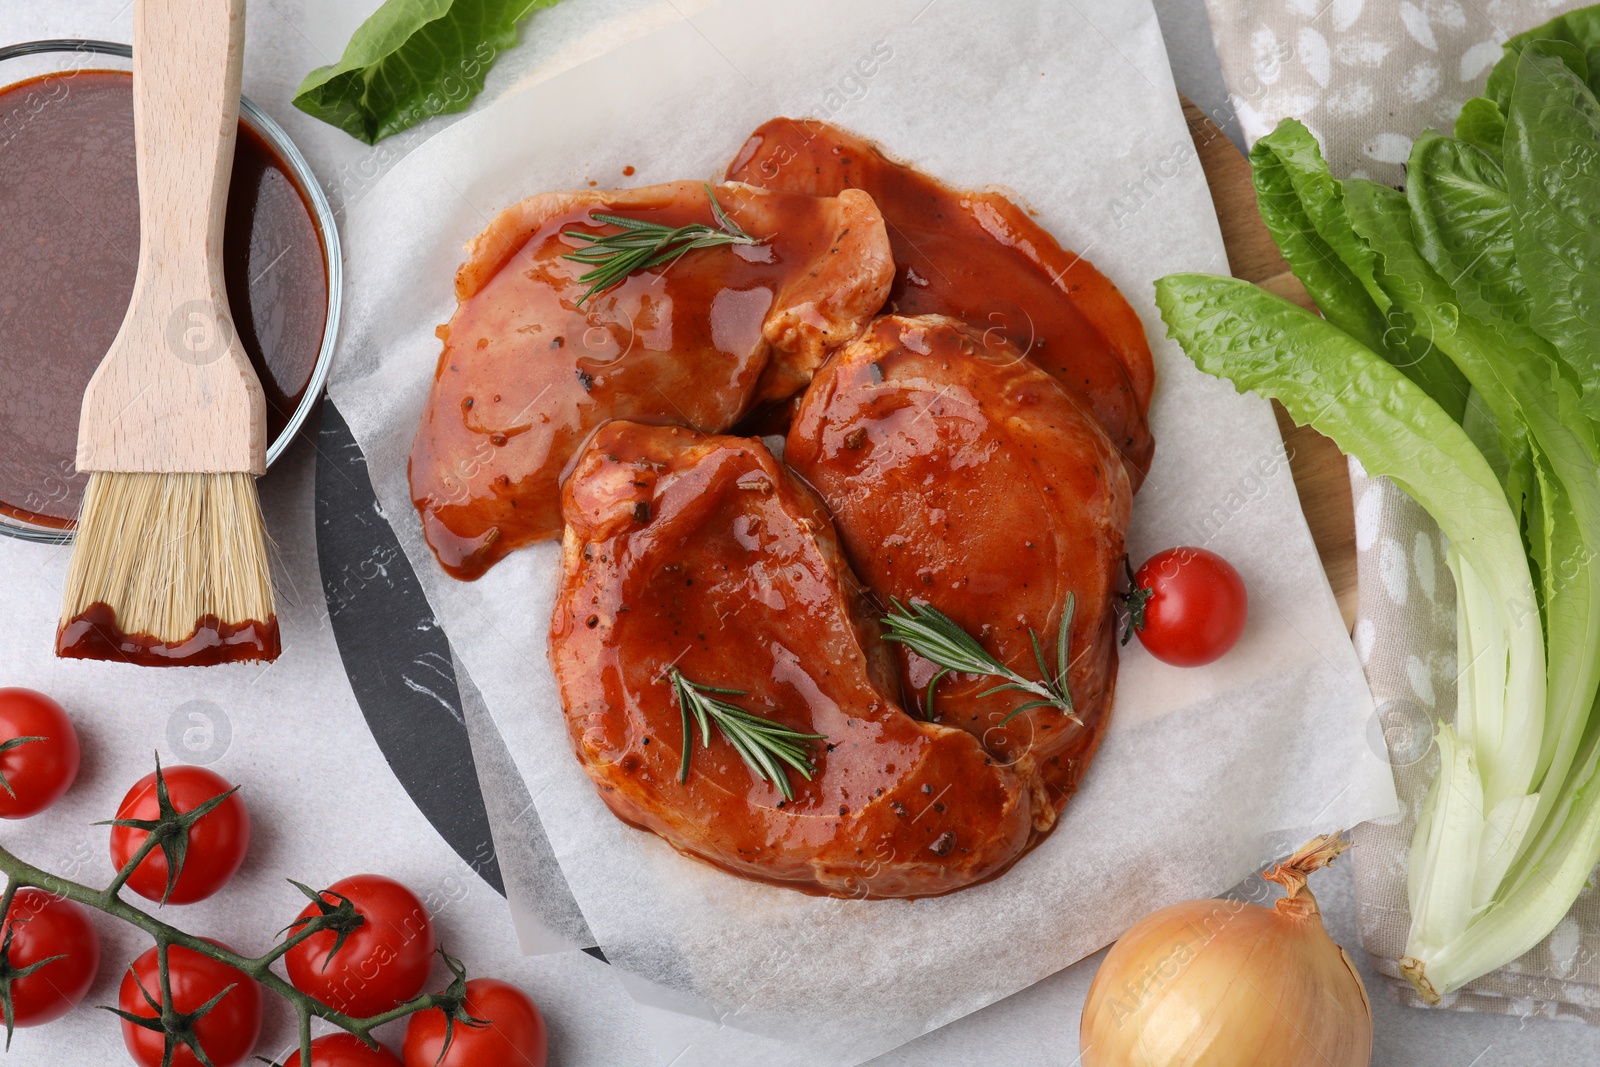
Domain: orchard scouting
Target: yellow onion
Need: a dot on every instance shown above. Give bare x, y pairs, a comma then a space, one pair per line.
1223, 983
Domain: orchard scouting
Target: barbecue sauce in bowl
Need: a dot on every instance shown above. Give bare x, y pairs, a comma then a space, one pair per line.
69, 248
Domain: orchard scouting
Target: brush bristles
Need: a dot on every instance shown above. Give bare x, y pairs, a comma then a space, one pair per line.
164, 551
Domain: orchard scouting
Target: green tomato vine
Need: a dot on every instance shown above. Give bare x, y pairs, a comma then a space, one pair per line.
170, 833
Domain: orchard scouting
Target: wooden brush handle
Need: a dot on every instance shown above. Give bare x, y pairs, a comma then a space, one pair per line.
176, 392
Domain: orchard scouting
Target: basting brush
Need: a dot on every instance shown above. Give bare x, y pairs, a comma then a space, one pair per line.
169, 564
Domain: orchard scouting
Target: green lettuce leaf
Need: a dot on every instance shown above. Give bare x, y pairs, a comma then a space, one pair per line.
1303, 206
1383, 219
411, 60
1481, 123
1552, 166
1462, 215
1327, 379
1575, 39
1372, 411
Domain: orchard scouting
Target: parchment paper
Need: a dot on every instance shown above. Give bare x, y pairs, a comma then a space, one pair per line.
1204, 773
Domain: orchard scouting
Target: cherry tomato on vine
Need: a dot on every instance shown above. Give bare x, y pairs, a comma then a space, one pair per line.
38, 752
217, 840
38, 926
383, 962
226, 1033
345, 1050
1188, 606
514, 1037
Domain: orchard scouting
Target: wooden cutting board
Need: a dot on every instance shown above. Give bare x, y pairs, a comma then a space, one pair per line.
1320, 474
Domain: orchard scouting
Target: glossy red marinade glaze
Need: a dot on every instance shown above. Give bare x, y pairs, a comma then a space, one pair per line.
705, 554
979, 257
526, 374
94, 634
961, 475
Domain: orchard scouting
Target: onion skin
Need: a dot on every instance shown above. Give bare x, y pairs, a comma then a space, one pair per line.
1223, 983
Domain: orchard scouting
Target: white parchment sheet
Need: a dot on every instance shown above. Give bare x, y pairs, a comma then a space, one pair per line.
1203, 772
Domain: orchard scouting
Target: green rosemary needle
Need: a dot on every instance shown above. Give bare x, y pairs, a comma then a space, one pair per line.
936, 637
764, 744
641, 245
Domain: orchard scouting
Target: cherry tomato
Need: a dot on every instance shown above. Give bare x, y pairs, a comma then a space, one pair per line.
217, 842
36, 772
346, 1050
43, 925
515, 1036
227, 1032
1188, 606
384, 962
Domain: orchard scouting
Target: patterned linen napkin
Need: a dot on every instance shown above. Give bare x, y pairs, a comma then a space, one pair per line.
1367, 76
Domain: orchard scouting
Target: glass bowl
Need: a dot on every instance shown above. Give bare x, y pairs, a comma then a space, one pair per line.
31, 59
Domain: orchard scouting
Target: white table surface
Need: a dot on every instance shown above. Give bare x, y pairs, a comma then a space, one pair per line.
591, 1018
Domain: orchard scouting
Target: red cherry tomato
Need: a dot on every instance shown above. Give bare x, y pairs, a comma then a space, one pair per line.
345, 1050
515, 1036
1188, 606
217, 842
43, 925
37, 772
227, 1032
384, 962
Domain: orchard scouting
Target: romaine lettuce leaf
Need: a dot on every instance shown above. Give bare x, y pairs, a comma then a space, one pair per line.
1481, 123
1383, 219
1461, 212
1552, 166
1327, 379
1303, 206
1491, 261
1576, 36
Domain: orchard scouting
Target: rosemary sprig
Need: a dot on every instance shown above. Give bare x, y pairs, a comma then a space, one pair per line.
764, 744
936, 637
641, 245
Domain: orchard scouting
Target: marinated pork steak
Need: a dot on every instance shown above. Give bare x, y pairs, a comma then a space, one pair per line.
704, 555
527, 372
978, 256
961, 475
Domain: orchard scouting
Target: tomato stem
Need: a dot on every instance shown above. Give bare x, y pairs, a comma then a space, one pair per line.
8, 972
19, 874
15, 742
1134, 600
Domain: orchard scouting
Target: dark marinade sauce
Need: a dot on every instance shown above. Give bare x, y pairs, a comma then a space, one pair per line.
69, 246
